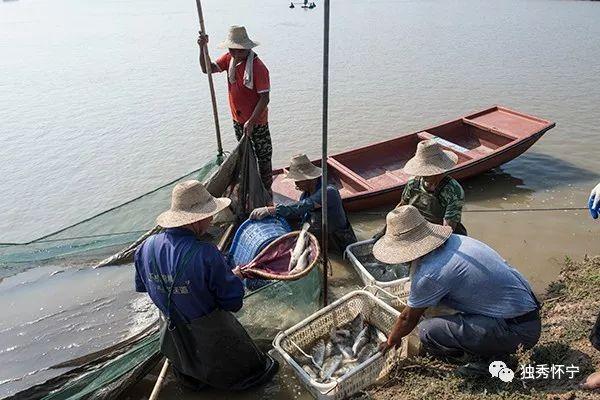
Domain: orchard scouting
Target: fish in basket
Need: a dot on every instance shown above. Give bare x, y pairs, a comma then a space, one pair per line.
344, 350
388, 281
288, 258
335, 352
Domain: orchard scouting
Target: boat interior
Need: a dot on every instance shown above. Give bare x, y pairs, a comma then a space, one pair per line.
380, 165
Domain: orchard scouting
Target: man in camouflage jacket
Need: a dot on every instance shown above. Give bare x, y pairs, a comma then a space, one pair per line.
437, 196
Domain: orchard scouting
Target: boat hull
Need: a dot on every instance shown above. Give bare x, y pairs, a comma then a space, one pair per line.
373, 176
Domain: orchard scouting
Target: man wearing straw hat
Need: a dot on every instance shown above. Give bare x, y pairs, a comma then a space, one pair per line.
307, 178
249, 87
497, 310
196, 291
436, 195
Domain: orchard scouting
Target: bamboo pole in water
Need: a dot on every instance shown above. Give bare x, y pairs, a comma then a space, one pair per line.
159, 381
324, 227
210, 79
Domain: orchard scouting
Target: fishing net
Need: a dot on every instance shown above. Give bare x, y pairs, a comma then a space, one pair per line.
87, 334
273, 262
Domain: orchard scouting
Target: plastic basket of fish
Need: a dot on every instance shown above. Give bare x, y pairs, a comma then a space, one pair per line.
334, 352
391, 281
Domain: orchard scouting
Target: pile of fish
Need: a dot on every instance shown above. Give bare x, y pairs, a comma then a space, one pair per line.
342, 352
300, 257
381, 272
386, 272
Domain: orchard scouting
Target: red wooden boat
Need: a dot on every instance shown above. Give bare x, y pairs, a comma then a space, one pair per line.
373, 176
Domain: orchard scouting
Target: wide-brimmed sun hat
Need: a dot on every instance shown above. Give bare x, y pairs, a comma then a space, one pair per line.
238, 39
408, 236
301, 169
430, 159
190, 202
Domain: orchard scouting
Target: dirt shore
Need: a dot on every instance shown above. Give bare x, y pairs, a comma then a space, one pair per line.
570, 307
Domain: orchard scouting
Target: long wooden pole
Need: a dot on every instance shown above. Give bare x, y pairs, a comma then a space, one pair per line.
324, 228
159, 381
210, 79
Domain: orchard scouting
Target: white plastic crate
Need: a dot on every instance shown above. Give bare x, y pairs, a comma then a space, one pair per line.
394, 292
318, 325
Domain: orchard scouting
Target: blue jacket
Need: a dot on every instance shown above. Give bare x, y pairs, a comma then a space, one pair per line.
336, 216
203, 284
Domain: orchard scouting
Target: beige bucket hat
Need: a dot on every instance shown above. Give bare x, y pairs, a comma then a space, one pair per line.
408, 236
430, 159
238, 39
302, 169
190, 202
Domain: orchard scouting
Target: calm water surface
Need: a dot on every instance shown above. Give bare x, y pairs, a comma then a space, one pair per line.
102, 101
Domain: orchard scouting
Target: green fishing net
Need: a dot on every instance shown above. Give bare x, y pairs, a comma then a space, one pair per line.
108, 372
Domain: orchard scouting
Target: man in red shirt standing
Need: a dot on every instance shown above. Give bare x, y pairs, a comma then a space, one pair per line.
248, 83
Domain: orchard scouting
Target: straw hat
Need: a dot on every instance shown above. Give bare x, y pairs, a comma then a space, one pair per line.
408, 236
302, 169
430, 159
190, 202
238, 39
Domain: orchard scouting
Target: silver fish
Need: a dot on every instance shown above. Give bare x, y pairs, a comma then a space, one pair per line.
310, 371
301, 359
302, 262
361, 340
352, 361
299, 248
318, 352
340, 335
357, 324
343, 332
333, 336
329, 349
346, 351
344, 370
366, 352
381, 337
331, 365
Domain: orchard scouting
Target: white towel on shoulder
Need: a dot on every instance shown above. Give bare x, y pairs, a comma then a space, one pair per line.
248, 71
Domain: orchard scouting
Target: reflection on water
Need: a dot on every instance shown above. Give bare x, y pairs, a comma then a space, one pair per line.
527, 180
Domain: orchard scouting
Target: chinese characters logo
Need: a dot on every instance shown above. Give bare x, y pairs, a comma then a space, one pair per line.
498, 369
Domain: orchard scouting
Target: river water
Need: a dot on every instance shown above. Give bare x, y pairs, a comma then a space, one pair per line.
103, 101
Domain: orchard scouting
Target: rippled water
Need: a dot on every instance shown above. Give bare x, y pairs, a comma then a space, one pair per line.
53, 314
102, 101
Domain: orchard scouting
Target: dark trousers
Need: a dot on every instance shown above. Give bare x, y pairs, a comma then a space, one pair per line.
476, 335
595, 334
215, 350
263, 148
189, 382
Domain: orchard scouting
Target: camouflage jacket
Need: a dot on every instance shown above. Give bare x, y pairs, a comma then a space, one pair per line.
451, 197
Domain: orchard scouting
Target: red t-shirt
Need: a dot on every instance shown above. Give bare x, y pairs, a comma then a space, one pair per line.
242, 100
